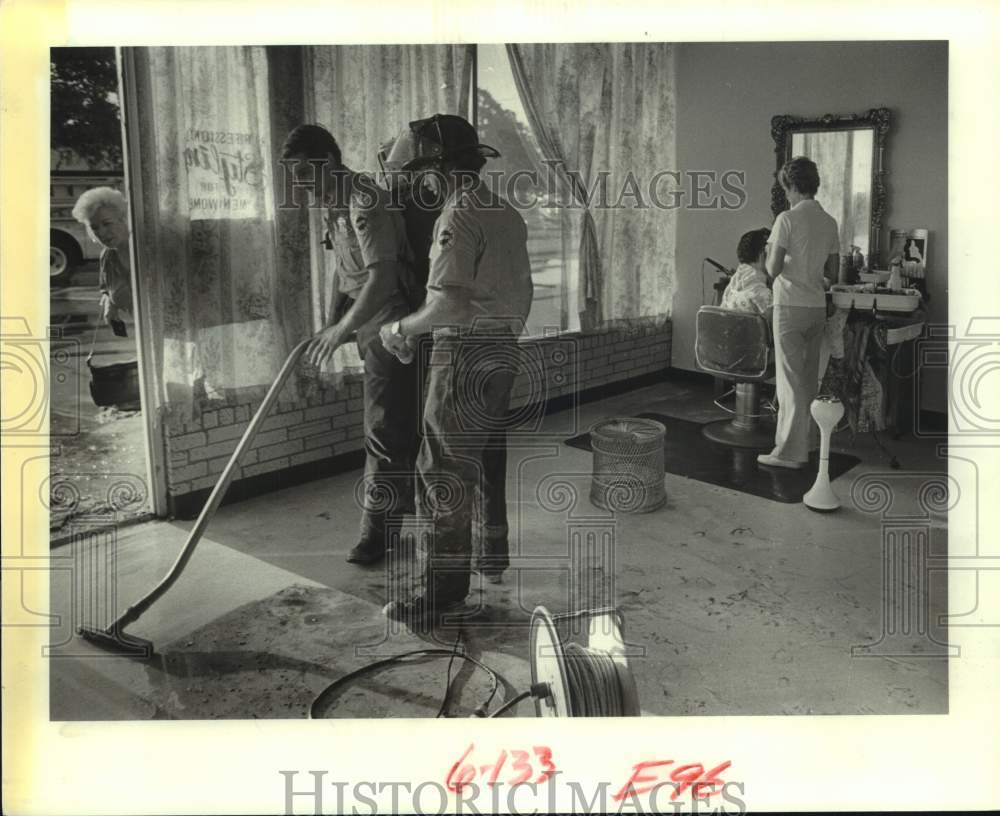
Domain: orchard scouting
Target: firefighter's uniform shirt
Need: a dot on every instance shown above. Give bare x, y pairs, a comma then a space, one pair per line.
480, 250
369, 232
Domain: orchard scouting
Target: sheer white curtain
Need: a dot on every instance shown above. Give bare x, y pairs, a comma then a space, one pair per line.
215, 293
844, 159
364, 95
226, 276
609, 108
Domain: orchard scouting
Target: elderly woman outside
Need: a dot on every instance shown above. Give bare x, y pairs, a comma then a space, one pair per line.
105, 214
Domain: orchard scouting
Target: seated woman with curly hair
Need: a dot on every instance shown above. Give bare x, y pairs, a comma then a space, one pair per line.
749, 289
104, 213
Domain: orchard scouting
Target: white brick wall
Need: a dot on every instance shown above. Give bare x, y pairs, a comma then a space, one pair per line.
329, 422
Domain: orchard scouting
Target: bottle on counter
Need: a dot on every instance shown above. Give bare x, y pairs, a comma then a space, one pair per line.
859, 262
896, 274
846, 272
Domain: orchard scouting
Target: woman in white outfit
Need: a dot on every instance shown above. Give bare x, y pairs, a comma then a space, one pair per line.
804, 244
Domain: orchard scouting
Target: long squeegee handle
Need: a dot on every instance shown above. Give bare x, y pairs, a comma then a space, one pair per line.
218, 492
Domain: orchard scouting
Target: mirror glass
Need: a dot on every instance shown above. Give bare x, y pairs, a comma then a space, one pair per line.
844, 159
850, 150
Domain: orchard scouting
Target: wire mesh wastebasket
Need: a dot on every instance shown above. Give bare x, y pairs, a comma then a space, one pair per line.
628, 465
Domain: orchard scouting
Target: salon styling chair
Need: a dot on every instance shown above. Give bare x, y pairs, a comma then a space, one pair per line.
735, 346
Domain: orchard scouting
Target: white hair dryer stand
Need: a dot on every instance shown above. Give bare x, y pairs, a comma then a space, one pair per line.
827, 412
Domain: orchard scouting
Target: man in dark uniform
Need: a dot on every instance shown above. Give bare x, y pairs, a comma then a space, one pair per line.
375, 283
419, 211
479, 293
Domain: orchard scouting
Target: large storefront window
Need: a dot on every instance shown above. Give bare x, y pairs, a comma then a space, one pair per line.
521, 177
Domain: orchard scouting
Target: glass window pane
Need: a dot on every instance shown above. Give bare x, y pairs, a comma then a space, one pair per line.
520, 176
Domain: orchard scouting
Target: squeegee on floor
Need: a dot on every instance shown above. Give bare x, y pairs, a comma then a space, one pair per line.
114, 637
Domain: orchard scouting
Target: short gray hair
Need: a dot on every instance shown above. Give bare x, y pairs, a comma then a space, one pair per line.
92, 200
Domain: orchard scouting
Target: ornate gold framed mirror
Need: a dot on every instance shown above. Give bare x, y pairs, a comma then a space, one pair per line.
849, 150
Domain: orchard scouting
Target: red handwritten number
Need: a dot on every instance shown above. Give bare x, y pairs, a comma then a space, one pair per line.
686, 776
702, 783
522, 763
710, 781
629, 788
466, 775
461, 774
496, 768
544, 754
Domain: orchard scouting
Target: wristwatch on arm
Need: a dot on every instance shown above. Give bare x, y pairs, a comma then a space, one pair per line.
404, 350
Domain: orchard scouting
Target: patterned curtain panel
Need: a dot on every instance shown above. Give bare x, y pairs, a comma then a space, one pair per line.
365, 95
231, 282
604, 114
220, 304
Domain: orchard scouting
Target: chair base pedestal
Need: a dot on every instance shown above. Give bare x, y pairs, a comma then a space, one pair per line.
728, 432
745, 430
